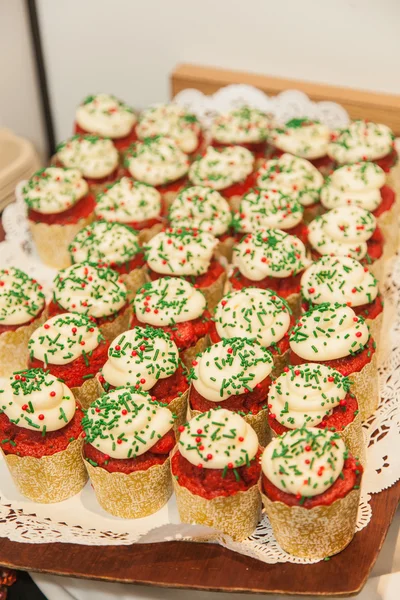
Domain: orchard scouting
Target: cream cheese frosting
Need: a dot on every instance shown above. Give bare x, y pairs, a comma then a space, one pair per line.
91, 290
362, 140
105, 115
253, 313
128, 201
140, 357
126, 423
243, 125
202, 208
95, 157
303, 138
218, 439
36, 400
105, 243
229, 368
339, 279
268, 209
219, 169
328, 332
172, 121
304, 462
357, 184
270, 253
293, 176
54, 190
167, 301
156, 161
342, 231
181, 252
21, 298
303, 396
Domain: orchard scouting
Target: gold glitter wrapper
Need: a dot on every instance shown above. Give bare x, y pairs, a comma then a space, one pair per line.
117, 326
353, 438
224, 250
388, 223
134, 280
179, 407
188, 355
314, 532
312, 212
375, 328
87, 392
365, 387
280, 362
132, 496
51, 478
145, 235
214, 292
14, 346
233, 201
377, 268
52, 241
294, 301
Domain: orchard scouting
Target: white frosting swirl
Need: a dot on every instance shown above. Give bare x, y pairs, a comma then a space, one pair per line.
225, 440
253, 313
105, 115
219, 169
140, 357
104, 242
229, 368
54, 190
201, 208
167, 301
342, 231
268, 209
126, 423
304, 396
126, 201
21, 299
302, 137
305, 462
362, 140
293, 176
339, 279
90, 290
243, 125
173, 121
357, 184
156, 161
180, 252
93, 156
270, 253
328, 332
36, 400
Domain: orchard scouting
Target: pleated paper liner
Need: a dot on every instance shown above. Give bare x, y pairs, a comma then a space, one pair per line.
312, 212
145, 235
135, 495
214, 292
365, 387
224, 251
51, 478
375, 328
280, 362
88, 392
14, 346
187, 356
317, 532
388, 223
117, 326
134, 281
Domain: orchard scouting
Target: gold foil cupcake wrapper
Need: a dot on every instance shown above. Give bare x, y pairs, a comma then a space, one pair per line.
134, 495
375, 328
134, 280
51, 478
214, 292
294, 301
179, 407
280, 362
117, 326
224, 251
188, 355
365, 387
87, 392
145, 235
388, 223
14, 346
316, 532
353, 438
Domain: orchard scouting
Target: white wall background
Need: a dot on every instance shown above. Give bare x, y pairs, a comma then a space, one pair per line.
129, 47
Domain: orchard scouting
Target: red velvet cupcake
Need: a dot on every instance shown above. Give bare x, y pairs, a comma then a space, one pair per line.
244, 126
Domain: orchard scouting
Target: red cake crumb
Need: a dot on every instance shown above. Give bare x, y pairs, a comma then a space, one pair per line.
388, 199
81, 210
56, 309
4, 328
284, 287
240, 188
387, 162
367, 311
215, 270
120, 143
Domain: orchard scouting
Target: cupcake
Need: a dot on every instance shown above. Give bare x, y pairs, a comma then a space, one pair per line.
363, 184
132, 203
204, 209
244, 126
294, 177
112, 245
108, 117
216, 471
128, 438
304, 138
41, 433
256, 314
227, 170
333, 335
93, 291
158, 161
22, 310
189, 254
270, 259
343, 280
177, 307
59, 205
95, 157
147, 358
311, 491
313, 395
234, 374
173, 121
71, 348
